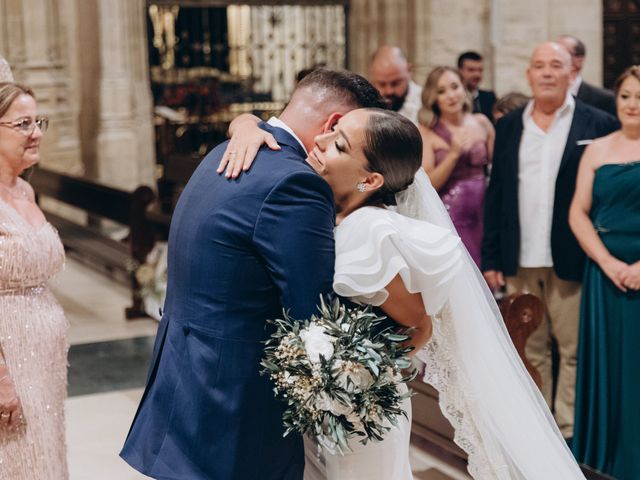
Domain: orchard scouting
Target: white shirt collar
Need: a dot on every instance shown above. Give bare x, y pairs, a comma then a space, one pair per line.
567, 106
276, 122
575, 86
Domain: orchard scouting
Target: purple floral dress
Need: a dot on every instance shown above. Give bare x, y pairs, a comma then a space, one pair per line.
463, 194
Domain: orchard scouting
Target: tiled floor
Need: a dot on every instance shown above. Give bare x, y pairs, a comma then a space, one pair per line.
108, 363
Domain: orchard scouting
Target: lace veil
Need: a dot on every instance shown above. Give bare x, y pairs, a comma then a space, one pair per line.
500, 417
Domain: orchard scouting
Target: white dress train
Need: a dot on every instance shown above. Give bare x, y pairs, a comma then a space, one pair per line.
500, 417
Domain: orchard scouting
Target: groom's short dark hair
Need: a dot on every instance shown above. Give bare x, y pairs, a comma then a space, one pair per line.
349, 88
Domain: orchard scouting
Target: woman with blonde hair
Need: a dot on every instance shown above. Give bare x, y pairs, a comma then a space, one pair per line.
605, 218
457, 149
33, 347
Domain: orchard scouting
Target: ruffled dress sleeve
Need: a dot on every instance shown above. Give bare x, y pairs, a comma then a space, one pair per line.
373, 245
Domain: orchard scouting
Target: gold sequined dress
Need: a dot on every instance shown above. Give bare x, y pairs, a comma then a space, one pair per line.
33, 338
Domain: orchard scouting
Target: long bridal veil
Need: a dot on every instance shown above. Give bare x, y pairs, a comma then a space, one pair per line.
500, 417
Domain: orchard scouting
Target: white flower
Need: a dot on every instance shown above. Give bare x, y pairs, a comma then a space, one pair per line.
317, 342
145, 274
328, 404
352, 376
289, 379
396, 377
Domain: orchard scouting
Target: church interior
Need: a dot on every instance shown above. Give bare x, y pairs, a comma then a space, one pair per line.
138, 91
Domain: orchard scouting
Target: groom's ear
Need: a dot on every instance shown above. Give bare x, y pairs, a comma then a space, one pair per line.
331, 121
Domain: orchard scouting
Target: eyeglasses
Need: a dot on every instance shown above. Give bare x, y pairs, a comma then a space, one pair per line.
26, 126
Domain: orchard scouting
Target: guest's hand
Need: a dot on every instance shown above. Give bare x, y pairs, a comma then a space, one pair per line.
460, 142
10, 408
615, 270
246, 140
495, 279
631, 276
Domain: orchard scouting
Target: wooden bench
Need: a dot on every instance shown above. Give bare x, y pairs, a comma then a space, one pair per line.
87, 242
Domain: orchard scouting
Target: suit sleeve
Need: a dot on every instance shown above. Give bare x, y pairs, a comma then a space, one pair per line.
493, 205
611, 124
294, 236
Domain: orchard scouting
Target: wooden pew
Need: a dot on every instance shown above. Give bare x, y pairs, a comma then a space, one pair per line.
86, 242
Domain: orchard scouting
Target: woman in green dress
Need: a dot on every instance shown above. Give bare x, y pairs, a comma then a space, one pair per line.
605, 217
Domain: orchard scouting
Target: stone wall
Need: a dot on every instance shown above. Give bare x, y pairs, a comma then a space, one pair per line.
520, 25
87, 61
434, 32
34, 34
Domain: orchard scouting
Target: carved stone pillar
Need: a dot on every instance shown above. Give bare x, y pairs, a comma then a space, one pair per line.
125, 154
34, 32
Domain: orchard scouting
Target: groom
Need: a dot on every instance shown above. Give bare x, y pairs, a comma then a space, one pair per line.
239, 252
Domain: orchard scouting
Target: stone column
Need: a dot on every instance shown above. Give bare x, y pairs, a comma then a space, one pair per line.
124, 151
35, 32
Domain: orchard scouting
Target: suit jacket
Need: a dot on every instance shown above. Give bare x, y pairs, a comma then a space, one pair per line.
598, 97
484, 103
501, 240
239, 252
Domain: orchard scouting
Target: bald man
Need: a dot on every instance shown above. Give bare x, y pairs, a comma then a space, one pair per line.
527, 244
390, 73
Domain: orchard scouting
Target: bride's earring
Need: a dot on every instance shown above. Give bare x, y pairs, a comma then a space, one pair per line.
362, 187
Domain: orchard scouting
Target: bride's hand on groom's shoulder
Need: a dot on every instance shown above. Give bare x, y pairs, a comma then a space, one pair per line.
246, 138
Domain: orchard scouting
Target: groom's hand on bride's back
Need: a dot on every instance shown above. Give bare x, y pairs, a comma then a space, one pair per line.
246, 138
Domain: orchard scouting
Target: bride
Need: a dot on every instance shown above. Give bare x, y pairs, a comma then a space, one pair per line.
388, 255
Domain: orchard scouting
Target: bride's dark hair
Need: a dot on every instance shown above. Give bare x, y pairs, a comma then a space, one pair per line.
393, 148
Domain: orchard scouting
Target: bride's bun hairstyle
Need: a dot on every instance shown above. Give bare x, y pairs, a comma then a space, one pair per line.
393, 148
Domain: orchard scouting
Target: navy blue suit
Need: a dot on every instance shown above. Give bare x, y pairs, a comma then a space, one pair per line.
239, 252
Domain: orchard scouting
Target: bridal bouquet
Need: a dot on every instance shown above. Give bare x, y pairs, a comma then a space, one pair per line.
338, 372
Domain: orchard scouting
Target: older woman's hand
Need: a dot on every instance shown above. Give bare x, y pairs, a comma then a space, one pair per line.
631, 276
10, 408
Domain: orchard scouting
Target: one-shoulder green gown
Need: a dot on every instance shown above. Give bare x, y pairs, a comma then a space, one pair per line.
607, 422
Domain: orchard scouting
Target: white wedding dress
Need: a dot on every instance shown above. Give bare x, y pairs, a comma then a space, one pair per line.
499, 416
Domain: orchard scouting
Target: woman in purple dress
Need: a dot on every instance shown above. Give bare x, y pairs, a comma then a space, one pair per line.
457, 149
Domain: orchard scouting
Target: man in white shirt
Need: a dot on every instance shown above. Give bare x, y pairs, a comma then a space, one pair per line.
527, 242
590, 94
390, 73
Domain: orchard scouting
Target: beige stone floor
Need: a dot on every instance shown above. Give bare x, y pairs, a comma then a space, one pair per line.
97, 424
